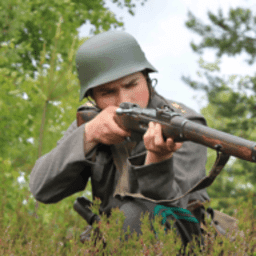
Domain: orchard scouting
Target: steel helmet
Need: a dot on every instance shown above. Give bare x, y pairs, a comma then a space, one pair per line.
107, 57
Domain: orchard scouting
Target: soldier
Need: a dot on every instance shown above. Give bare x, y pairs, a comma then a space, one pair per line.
113, 69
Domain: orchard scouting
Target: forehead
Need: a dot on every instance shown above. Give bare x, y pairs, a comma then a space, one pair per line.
121, 81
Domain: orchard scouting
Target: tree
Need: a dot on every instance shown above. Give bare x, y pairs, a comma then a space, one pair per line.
232, 101
30, 24
38, 74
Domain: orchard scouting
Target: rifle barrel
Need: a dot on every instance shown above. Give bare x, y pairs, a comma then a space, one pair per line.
218, 140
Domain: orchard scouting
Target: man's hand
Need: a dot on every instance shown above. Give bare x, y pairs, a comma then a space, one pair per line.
158, 149
103, 128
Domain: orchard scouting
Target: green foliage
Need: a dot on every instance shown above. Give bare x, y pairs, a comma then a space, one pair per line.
128, 4
24, 118
229, 110
231, 99
26, 26
38, 43
55, 230
229, 35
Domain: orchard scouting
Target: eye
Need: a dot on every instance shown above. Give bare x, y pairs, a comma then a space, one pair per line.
107, 92
130, 85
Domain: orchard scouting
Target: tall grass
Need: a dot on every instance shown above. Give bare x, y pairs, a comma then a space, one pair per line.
28, 228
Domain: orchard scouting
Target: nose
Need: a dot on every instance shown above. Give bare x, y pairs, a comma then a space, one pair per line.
123, 96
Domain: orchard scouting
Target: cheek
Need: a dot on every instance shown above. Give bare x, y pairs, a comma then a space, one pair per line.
104, 102
141, 96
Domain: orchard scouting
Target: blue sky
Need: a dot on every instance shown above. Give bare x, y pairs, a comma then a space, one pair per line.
159, 27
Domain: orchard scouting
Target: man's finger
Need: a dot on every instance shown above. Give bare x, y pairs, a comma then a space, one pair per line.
158, 135
170, 143
120, 130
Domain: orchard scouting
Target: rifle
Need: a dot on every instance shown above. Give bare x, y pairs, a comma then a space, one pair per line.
132, 117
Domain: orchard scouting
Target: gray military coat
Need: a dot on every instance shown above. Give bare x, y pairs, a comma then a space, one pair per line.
65, 170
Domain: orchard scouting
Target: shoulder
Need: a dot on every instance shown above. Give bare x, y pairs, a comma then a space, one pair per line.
186, 111
69, 131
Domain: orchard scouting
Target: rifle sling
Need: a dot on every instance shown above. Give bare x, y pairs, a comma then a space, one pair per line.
120, 156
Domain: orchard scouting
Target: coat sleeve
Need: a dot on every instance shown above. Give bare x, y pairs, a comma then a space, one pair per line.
157, 180
172, 177
64, 170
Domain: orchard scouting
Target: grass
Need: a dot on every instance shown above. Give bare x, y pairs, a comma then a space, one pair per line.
30, 228
55, 230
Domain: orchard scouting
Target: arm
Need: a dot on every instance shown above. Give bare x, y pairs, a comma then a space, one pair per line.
64, 170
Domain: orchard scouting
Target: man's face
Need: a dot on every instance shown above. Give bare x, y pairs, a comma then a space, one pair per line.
132, 88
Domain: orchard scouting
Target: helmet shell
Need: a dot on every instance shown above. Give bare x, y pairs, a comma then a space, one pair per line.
107, 57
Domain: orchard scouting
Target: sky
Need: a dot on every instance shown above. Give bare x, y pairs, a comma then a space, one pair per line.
161, 32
